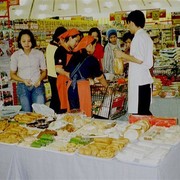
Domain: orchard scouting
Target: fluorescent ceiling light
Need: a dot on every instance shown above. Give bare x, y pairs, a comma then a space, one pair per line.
108, 4
156, 4
18, 12
43, 7
88, 10
133, 7
86, 1
64, 6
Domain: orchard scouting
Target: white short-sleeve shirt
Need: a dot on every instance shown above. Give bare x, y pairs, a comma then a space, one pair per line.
28, 66
139, 74
142, 49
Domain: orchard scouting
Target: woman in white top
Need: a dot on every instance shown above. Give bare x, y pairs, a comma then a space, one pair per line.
140, 61
28, 68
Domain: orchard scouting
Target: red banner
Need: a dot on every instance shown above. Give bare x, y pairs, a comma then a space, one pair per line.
112, 17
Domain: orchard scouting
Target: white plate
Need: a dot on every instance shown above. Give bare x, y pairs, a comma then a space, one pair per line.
10, 111
12, 108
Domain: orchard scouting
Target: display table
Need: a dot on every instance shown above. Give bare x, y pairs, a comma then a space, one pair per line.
167, 107
20, 163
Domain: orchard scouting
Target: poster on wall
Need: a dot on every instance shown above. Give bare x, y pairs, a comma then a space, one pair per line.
6, 38
118, 16
156, 14
3, 8
175, 17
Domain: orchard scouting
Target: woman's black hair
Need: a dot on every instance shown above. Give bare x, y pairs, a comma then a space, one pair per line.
137, 17
95, 29
32, 38
127, 36
94, 41
60, 30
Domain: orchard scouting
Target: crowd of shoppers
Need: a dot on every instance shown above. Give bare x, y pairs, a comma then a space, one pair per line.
71, 59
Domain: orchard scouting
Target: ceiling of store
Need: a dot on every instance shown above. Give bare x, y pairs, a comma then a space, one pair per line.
39, 9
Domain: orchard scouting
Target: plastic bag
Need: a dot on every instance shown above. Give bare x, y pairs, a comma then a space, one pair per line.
43, 109
118, 66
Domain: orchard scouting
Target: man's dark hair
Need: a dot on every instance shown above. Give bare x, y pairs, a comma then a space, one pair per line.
137, 17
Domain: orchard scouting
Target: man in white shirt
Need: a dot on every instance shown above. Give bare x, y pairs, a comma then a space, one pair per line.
140, 61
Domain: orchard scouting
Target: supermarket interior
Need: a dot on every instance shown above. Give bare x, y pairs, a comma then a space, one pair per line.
94, 130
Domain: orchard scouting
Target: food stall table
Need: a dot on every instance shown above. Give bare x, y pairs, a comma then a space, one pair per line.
19, 162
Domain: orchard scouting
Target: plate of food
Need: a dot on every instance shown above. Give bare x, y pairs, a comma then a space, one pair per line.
10, 110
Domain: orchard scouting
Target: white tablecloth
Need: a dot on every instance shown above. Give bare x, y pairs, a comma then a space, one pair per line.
19, 163
167, 107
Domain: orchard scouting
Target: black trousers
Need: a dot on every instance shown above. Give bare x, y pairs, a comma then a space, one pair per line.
55, 102
144, 100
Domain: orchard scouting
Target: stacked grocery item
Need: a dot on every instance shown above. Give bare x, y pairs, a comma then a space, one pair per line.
168, 57
168, 63
157, 86
170, 54
165, 87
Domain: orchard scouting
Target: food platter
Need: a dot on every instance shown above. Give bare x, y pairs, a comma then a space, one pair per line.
10, 111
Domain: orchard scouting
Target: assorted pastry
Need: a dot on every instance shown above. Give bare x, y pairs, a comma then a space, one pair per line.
75, 133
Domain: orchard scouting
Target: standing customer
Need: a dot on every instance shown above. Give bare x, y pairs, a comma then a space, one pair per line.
113, 43
52, 75
140, 61
99, 49
28, 68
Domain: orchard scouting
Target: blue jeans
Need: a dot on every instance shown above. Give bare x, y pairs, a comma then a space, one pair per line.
29, 94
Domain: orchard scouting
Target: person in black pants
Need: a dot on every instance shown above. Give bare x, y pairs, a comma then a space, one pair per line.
52, 75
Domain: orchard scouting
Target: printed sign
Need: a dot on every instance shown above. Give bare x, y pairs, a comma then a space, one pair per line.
175, 16
154, 14
3, 6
